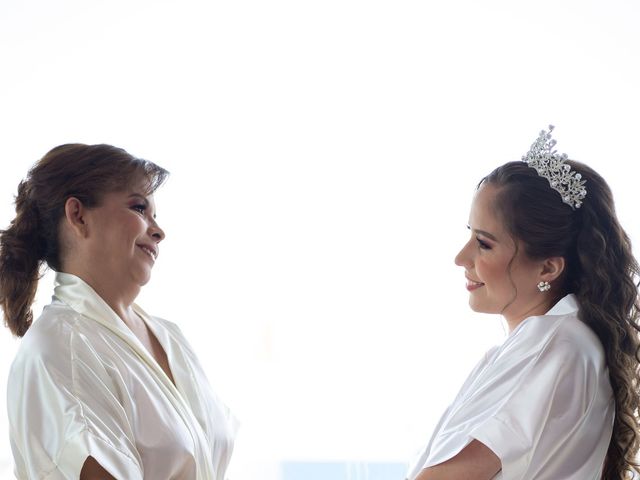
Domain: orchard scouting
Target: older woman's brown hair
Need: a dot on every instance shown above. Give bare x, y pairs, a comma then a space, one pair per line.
86, 172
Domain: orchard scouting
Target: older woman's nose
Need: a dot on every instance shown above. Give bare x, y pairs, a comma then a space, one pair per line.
156, 232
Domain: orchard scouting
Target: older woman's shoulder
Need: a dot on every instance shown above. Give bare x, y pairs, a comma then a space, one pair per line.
52, 330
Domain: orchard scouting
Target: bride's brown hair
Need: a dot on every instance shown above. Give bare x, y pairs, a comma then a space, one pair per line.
600, 270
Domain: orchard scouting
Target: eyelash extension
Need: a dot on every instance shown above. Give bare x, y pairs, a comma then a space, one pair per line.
482, 244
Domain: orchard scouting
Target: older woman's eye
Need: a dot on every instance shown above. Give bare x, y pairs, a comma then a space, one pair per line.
139, 208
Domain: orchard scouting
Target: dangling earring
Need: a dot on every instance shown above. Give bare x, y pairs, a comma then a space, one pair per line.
544, 286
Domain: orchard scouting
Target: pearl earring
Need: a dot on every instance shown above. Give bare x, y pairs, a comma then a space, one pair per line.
544, 286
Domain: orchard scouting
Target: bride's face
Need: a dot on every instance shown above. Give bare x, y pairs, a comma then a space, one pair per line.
500, 277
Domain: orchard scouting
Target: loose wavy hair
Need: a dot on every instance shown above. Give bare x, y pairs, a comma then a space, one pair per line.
86, 172
600, 270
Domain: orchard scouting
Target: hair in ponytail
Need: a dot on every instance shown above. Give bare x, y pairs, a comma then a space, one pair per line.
600, 270
31, 241
20, 260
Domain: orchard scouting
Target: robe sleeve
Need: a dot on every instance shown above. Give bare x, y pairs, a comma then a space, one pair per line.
547, 408
63, 407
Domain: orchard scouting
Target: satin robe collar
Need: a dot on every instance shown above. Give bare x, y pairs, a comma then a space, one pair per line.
77, 294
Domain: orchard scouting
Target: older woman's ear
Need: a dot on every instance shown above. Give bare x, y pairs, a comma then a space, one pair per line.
74, 216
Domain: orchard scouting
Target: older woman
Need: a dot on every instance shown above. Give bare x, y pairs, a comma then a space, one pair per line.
99, 388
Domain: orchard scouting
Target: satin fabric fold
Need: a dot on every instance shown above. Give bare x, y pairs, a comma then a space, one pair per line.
96, 390
541, 401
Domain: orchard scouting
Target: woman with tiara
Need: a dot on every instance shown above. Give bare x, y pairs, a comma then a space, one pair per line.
99, 389
558, 400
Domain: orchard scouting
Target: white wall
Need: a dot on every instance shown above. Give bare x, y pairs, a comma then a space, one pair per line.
323, 156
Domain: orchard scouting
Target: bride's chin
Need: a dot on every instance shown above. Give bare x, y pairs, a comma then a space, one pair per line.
476, 307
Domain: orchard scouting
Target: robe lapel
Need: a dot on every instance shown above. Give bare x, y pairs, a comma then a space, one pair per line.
73, 291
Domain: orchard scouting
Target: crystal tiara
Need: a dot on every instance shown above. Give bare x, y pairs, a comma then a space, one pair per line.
551, 165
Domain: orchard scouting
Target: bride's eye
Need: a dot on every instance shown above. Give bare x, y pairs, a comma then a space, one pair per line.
483, 245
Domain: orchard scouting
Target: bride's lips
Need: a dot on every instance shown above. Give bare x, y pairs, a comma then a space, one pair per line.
473, 285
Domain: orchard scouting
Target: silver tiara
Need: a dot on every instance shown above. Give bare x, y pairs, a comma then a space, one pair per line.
551, 165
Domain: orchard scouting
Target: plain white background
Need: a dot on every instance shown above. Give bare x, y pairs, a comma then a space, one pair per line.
323, 157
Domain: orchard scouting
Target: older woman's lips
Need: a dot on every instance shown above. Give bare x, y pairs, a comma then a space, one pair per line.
149, 251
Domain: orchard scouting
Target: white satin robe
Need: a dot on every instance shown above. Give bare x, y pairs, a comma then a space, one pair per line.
541, 401
83, 385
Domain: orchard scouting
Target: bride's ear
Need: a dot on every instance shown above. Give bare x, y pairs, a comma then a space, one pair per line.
551, 269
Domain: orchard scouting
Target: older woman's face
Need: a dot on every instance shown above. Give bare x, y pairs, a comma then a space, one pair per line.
499, 278
124, 237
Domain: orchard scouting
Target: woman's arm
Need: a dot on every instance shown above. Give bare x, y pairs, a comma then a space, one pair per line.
475, 462
91, 470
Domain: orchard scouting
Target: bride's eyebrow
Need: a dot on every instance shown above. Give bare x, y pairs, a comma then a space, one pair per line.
483, 233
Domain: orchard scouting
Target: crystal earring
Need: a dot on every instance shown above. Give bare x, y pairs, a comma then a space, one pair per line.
544, 286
